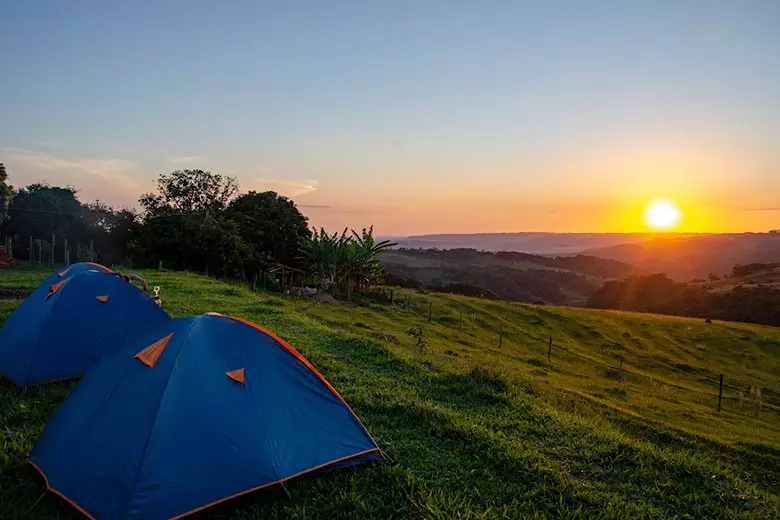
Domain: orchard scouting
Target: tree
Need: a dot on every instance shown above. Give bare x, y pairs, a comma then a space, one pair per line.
6, 192
367, 270
271, 224
325, 255
111, 230
40, 210
183, 222
190, 191
344, 261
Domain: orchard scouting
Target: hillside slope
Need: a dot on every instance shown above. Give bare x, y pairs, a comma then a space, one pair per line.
509, 275
474, 430
684, 258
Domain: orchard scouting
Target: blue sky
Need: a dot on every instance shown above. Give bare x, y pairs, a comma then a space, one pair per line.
416, 116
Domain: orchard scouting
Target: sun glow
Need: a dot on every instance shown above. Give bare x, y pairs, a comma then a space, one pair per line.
662, 215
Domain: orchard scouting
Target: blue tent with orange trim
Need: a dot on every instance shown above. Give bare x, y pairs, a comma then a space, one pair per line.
67, 324
199, 411
57, 277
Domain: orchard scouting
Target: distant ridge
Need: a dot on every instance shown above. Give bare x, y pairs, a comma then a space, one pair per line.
539, 243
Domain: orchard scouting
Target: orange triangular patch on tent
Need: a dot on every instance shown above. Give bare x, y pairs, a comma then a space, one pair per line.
237, 375
56, 287
103, 299
151, 354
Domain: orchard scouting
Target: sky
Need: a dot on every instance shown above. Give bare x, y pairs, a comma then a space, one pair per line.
415, 116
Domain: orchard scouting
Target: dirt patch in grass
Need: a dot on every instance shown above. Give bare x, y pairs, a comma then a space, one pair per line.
14, 293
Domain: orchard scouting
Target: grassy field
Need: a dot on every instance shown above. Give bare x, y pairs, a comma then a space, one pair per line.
473, 430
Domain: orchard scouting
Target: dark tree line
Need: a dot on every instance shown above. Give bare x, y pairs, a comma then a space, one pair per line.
194, 220
39, 211
740, 271
659, 294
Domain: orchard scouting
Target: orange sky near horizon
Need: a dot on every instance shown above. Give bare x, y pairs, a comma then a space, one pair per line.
603, 195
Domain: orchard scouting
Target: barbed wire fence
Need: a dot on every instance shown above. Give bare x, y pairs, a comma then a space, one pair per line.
723, 392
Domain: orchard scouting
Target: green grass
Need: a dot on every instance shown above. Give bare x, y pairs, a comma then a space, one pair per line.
472, 430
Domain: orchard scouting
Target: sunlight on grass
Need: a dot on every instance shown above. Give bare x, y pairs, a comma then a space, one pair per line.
477, 431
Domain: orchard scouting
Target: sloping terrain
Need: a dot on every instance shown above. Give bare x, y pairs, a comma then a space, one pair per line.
539, 243
685, 258
768, 277
507, 275
476, 424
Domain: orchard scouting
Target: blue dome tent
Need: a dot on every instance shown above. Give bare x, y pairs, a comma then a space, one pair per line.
69, 322
201, 410
57, 277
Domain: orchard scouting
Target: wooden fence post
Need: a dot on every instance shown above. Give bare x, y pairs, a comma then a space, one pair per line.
757, 401
430, 310
40, 253
500, 335
391, 295
549, 351
720, 393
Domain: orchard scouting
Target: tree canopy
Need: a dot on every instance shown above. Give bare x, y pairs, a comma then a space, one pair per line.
271, 224
6, 192
195, 219
190, 191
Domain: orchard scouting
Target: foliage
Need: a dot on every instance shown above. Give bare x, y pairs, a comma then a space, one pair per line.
6, 192
194, 222
489, 433
344, 262
658, 294
40, 211
510, 276
746, 270
190, 191
271, 224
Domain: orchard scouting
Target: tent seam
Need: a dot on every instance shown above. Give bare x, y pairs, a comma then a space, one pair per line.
38, 341
156, 416
291, 351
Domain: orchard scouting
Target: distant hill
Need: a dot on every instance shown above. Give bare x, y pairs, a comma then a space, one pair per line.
682, 257
688, 257
549, 244
750, 294
747, 276
507, 275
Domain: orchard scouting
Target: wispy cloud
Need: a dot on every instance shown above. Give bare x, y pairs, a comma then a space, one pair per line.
338, 209
283, 187
184, 159
107, 179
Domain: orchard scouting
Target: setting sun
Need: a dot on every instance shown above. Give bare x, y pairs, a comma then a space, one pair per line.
662, 214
